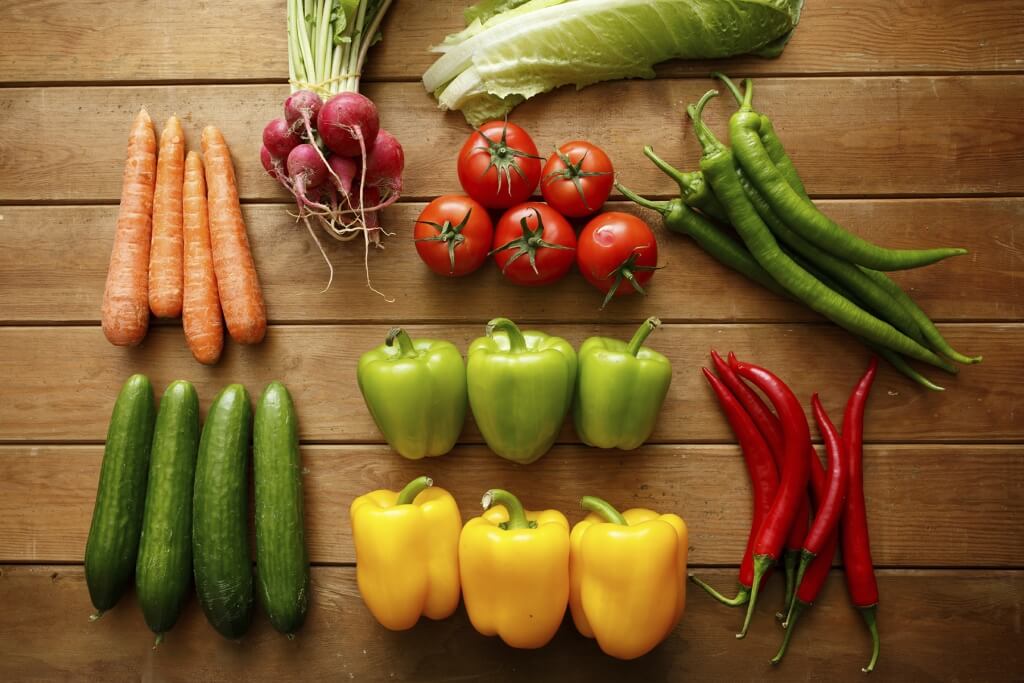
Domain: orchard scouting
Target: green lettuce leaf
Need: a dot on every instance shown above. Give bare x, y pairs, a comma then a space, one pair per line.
582, 42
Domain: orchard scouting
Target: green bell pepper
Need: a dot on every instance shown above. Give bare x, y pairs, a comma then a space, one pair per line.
620, 390
520, 389
416, 391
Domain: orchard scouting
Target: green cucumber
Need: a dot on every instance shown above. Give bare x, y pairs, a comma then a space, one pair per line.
281, 563
220, 534
117, 516
164, 569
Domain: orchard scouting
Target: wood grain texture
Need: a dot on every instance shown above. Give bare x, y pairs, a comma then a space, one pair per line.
190, 41
850, 137
923, 619
45, 508
63, 381
43, 279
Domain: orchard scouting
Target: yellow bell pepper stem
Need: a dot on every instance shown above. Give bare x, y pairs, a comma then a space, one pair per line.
515, 571
407, 495
627, 577
407, 558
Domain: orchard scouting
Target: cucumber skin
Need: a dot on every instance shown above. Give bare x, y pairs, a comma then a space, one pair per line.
117, 515
282, 565
164, 570
220, 534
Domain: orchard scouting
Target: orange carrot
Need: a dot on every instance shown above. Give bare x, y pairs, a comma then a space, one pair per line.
126, 296
239, 286
200, 315
165, 255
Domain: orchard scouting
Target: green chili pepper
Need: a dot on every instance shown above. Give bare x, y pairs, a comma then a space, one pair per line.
416, 392
520, 389
801, 214
719, 169
619, 390
693, 189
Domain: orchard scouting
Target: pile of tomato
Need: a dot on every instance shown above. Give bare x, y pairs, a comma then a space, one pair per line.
534, 243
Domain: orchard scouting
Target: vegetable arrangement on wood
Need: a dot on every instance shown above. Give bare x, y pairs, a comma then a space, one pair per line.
788, 245
333, 155
192, 517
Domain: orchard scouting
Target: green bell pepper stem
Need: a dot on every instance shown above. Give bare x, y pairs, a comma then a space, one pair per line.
405, 347
516, 341
603, 508
407, 495
516, 514
648, 326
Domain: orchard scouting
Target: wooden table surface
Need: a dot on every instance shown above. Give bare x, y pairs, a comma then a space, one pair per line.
903, 117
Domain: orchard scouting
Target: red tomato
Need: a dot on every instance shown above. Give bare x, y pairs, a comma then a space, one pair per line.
577, 179
453, 235
498, 165
533, 244
617, 253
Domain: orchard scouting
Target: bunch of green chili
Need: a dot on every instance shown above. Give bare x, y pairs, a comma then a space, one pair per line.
789, 246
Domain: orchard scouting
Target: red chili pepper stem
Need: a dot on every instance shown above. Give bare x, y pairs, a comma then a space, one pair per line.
762, 564
789, 562
742, 596
794, 613
870, 613
806, 557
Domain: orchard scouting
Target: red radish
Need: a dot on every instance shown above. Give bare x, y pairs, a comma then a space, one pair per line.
345, 171
279, 138
302, 105
348, 124
272, 164
306, 170
384, 166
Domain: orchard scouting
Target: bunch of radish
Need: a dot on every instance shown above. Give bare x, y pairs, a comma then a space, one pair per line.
339, 164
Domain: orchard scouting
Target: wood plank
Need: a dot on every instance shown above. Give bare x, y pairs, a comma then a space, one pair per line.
192, 42
43, 279
850, 137
923, 619
47, 492
63, 381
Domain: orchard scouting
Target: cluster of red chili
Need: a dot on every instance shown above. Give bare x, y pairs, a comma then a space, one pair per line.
781, 461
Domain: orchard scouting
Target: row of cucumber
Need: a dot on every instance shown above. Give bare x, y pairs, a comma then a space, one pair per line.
172, 503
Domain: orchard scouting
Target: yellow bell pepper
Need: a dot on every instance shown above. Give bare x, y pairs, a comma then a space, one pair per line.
407, 559
628, 573
515, 571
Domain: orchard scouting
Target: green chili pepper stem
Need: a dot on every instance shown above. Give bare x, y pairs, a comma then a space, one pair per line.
869, 614
789, 561
747, 104
708, 142
601, 507
405, 346
516, 514
683, 180
644, 331
790, 626
661, 207
516, 341
762, 563
407, 495
742, 596
729, 84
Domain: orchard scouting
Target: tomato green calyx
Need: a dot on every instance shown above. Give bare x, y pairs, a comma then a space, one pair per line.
529, 243
708, 142
405, 345
625, 271
504, 159
573, 172
448, 233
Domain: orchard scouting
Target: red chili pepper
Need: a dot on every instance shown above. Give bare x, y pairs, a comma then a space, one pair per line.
829, 506
793, 483
763, 477
818, 570
770, 428
860, 572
